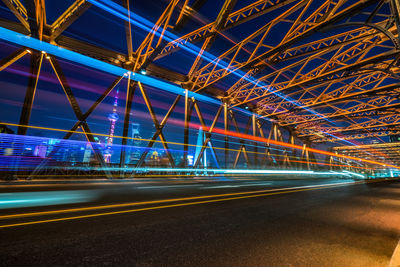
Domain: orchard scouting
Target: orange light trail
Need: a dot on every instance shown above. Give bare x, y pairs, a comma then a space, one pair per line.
232, 134
279, 143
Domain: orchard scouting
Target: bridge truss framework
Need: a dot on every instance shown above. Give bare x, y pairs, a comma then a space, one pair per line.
332, 76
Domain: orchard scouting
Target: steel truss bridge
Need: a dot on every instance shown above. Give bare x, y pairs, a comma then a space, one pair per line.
305, 73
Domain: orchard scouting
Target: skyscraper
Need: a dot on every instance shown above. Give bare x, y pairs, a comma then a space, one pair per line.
135, 148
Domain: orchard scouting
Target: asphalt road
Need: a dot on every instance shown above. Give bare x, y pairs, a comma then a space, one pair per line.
203, 223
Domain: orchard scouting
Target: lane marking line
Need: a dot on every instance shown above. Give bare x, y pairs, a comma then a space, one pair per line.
122, 205
171, 206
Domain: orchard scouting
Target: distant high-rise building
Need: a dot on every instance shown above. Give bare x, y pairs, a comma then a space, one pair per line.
112, 117
135, 128
88, 153
135, 149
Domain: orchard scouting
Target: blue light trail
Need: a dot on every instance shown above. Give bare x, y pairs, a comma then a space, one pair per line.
45, 198
216, 171
27, 41
147, 25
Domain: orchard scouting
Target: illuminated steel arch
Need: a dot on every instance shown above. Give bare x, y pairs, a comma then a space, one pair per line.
320, 71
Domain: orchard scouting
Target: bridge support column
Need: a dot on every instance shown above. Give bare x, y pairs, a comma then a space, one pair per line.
186, 130
128, 107
36, 64
226, 128
254, 126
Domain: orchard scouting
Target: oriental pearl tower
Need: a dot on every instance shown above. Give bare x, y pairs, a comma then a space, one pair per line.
112, 117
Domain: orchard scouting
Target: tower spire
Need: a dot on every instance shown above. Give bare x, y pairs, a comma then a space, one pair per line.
112, 117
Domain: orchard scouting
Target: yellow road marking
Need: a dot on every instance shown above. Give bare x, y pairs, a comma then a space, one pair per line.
122, 205
177, 205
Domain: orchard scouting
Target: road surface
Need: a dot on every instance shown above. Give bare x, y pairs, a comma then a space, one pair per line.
200, 223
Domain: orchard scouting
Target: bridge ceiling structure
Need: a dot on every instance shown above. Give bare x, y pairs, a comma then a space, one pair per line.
327, 70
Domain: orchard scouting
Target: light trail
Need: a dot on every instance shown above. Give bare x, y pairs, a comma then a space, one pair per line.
34, 199
327, 164
225, 197
318, 151
215, 171
23, 40
27, 41
237, 135
122, 205
36, 44
184, 175
143, 148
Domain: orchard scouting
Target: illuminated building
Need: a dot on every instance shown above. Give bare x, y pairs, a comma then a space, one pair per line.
112, 117
88, 153
135, 149
40, 150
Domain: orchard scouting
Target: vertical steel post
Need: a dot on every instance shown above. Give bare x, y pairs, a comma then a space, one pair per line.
36, 64
226, 128
307, 157
269, 155
293, 153
128, 106
264, 156
303, 155
254, 121
186, 130
285, 161
280, 161
128, 30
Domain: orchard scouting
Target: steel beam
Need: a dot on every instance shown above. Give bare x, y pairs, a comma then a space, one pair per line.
78, 113
130, 90
68, 17
36, 64
158, 131
7, 61
18, 9
208, 130
156, 124
226, 139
